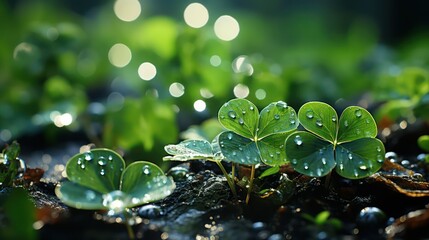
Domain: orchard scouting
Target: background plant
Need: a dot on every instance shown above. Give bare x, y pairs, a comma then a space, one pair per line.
347, 144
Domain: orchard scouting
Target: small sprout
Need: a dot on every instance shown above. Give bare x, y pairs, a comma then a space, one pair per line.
109, 186
348, 144
11, 166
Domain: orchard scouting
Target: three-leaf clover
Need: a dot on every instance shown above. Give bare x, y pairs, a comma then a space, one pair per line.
347, 144
98, 180
255, 137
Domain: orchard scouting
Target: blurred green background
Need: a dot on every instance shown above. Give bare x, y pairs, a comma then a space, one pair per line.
133, 75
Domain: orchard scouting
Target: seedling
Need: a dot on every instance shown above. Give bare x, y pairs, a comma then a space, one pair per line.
198, 150
11, 167
347, 144
255, 137
98, 181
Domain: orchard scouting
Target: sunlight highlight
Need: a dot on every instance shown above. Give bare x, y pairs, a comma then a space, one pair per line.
241, 91
119, 55
260, 94
147, 71
61, 120
226, 28
242, 65
200, 105
196, 15
127, 10
176, 89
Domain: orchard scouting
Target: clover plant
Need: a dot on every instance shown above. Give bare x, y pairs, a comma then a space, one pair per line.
347, 144
198, 150
98, 180
11, 166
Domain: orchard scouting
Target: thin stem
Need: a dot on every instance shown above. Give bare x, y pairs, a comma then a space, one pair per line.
249, 191
233, 171
129, 228
228, 179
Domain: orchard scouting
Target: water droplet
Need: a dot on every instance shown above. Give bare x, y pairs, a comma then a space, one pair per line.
241, 121
298, 140
350, 156
319, 123
222, 116
294, 161
102, 172
243, 112
324, 161
346, 123
232, 114
82, 166
292, 121
380, 158
341, 167
392, 156
116, 201
271, 155
234, 153
281, 104
378, 149
110, 157
358, 131
334, 118
319, 172
102, 161
277, 152
306, 166
229, 136
358, 113
146, 169
367, 121
79, 161
88, 156
90, 195
240, 148
150, 211
251, 108
356, 173
309, 114
363, 167
281, 146
276, 116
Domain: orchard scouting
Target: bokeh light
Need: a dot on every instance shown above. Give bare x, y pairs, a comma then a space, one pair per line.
260, 94
119, 55
241, 91
196, 15
176, 89
241, 64
5, 135
215, 61
127, 10
199, 105
205, 93
147, 71
61, 120
226, 28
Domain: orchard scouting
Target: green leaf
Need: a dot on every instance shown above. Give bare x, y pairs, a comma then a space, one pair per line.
356, 122
98, 169
270, 171
78, 196
240, 116
145, 182
310, 155
277, 117
322, 217
320, 119
272, 150
423, 142
360, 158
188, 150
238, 149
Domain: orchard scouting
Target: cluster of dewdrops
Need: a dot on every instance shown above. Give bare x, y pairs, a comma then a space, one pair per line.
195, 15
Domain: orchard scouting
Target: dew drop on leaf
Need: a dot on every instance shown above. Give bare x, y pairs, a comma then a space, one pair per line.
319, 123
356, 173
346, 123
234, 153
334, 118
281, 104
350, 156
232, 114
292, 121
79, 161
276, 116
380, 158
90, 195
229, 136
378, 149
358, 113
110, 157
243, 112
102, 172
324, 161
102, 161
363, 167
294, 161
241, 121
319, 172
306, 166
88, 156
146, 169
309, 114
222, 116
298, 140
82, 166
251, 108
341, 167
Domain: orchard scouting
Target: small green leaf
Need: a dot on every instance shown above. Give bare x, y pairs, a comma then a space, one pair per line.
360, 158
238, 149
423, 142
98, 169
145, 182
277, 117
240, 116
322, 217
320, 119
271, 149
356, 122
188, 150
309, 154
78, 196
270, 171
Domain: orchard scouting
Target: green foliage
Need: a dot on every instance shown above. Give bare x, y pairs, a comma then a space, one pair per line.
255, 137
323, 221
191, 150
347, 144
423, 142
9, 164
20, 214
98, 180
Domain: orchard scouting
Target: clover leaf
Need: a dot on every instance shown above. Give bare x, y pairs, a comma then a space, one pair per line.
255, 137
191, 150
347, 144
98, 180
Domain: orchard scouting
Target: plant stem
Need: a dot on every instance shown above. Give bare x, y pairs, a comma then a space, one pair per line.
328, 180
129, 228
228, 179
249, 191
